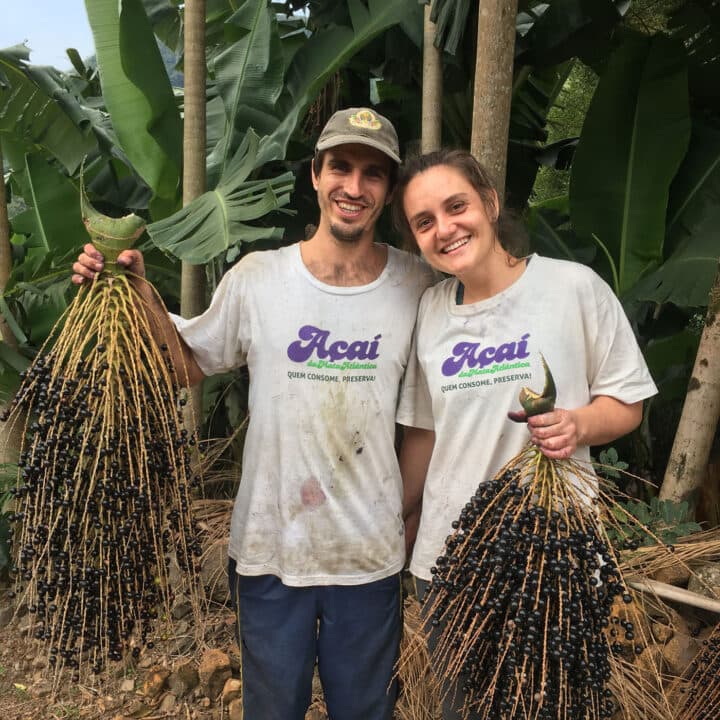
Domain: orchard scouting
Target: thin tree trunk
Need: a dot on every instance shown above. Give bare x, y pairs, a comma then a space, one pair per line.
493, 86
432, 88
192, 288
698, 422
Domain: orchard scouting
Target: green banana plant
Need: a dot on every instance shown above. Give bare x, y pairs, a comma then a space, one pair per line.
216, 222
138, 96
249, 76
692, 249
47, 233
322, 55
37, 113
254, 92
634, 138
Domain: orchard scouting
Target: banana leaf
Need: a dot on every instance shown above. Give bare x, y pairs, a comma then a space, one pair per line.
450, 18
217, 220
250, 94
529, 11
37, 112
48, 232
569, 28
249, 76
535, 91
217, 13
138, 95
559, 154
534, 94
550, 233
697, 24
670, 360
686, 277
293, 35
55, 205
41, 307
635, 135
166, 21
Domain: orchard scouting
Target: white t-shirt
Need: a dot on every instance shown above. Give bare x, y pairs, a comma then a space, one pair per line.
472, 361
320, 498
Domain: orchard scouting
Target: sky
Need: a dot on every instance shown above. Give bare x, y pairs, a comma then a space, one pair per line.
47, 27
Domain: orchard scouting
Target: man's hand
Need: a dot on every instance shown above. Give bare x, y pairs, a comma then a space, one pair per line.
90, 263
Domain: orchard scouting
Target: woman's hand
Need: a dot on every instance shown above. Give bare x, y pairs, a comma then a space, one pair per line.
555, 433
560, 432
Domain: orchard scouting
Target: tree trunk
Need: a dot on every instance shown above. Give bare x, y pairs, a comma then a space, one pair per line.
432, 88
192, 288
493, 86
698, 422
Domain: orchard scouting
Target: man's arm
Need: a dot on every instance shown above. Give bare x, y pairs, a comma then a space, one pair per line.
604, 419
415, 451
90, 263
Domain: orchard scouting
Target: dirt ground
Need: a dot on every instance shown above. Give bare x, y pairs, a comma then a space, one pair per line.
125, 690
26, 685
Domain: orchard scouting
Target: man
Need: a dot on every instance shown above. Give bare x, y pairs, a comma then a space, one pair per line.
317, 537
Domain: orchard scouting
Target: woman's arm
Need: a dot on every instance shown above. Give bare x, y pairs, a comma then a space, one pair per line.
560, 432
415, 451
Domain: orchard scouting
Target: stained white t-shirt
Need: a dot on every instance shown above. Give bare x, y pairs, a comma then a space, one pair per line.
320, 497
472, 360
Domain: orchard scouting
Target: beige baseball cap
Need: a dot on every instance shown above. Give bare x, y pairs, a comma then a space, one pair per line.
362, 126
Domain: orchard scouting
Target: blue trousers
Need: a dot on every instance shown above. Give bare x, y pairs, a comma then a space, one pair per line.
352, 632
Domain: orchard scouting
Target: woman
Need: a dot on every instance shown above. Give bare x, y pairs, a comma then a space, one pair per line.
479, 337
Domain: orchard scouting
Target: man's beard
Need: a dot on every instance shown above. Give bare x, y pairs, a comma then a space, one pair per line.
349, 235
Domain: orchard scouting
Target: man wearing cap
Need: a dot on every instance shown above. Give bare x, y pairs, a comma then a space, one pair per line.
317, 538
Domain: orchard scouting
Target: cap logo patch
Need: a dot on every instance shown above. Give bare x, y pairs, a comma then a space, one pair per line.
366, 120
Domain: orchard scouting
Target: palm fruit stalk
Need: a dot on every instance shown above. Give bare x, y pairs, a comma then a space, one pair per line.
519, 610
103, 498
699, 698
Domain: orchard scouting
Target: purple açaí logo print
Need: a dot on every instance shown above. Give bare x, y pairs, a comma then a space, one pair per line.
316, 349
479, 360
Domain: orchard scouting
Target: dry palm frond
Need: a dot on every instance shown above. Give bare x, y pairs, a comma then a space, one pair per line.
649, 560
419, 698
215, 467
325, 104
638, 690
105, 479
213, 517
